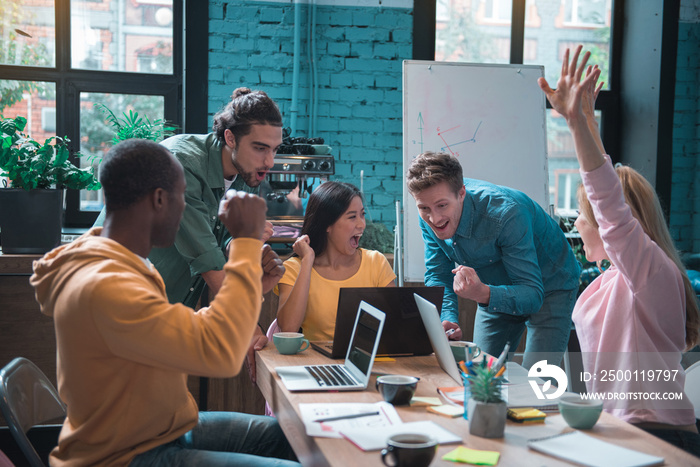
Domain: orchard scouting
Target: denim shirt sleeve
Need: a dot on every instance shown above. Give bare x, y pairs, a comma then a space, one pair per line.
525, 295
439, 273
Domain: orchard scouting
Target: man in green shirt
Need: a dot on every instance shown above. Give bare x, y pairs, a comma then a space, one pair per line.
237, 155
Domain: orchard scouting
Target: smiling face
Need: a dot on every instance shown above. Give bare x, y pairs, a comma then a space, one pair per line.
441, 208
344, 234
253, 154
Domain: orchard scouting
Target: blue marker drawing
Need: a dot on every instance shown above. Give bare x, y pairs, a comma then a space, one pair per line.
449, 146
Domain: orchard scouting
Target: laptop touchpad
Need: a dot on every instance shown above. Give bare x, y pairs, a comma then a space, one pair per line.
294, 373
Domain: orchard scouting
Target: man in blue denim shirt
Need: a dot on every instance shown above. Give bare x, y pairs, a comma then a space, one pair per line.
511, 258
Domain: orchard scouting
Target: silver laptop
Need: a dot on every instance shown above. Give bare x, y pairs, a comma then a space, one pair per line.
433, 325
353, 375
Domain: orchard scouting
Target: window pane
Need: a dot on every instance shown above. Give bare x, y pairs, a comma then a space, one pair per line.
27, 31
134, 35
96, 132
33, 100
564, 176
552, 26
473, 31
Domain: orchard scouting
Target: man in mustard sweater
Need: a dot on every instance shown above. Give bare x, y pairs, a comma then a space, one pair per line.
124, 352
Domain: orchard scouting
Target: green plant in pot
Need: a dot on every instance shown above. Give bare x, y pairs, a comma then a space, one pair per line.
486, 410
31, 205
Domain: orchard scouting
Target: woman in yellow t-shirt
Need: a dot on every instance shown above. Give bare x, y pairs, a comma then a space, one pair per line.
328, 257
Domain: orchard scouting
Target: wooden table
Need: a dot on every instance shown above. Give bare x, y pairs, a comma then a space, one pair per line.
513, 447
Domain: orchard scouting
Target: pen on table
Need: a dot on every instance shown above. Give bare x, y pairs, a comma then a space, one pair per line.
502, 358
344, 417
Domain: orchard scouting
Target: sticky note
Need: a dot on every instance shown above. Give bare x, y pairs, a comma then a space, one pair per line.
472, 456
447, 410
418, 401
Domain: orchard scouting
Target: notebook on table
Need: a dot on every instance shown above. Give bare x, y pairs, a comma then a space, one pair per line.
582, 449
352, 375
401, 314
433, 325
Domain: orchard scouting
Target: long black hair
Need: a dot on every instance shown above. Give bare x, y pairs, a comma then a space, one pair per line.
326, 204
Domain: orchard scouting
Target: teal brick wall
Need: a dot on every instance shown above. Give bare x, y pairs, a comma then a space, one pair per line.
685, 194
359, 52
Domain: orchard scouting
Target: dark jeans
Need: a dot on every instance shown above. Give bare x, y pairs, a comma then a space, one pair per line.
224, 439
686, 440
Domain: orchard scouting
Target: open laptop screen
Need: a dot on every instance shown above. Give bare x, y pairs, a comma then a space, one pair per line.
362, 345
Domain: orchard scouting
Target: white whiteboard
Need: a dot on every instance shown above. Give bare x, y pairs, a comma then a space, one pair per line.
492, 117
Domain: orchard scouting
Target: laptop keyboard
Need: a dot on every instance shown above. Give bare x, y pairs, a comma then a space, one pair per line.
330, 375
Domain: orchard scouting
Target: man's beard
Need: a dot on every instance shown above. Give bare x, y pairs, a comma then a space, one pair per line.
249, 178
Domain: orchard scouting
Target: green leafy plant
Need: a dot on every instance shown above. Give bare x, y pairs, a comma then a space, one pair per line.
377, 237
132, 125
29, 164
484, 385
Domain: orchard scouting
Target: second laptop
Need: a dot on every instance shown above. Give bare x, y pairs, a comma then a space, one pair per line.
404, 332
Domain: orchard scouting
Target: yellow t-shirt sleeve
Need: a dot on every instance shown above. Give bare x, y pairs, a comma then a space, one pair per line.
291, 272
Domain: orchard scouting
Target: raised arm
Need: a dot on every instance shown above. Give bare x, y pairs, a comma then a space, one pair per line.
588, 106
294, 298
574, 99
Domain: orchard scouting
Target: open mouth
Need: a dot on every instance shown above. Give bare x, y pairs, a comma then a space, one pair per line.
442, 226
261, 175
355, 240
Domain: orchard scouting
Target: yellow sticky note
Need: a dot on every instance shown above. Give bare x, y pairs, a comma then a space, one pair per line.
418, 401
472, 456
451, 411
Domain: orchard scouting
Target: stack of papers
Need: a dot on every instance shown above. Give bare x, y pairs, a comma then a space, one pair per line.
386, 416
368, 432
375, 438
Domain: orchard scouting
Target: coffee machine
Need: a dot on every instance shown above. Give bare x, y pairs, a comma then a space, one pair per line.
298, 169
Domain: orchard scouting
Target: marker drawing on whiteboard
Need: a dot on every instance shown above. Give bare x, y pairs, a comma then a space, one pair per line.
449, 146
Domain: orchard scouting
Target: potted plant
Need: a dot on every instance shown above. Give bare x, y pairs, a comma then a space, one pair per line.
31, 206
486, 410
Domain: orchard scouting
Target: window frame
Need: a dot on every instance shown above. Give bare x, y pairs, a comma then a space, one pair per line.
70, 83
608, 102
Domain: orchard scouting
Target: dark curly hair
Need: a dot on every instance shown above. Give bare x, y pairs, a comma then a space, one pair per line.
134, 168
246, 108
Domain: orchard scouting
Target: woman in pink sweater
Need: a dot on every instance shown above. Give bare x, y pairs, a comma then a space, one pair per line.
635, 319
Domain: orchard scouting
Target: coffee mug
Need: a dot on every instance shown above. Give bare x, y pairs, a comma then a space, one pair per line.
579, 413
409, 450
289, 343
464, 351
397, 389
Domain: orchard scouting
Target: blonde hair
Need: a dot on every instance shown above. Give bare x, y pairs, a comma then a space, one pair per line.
644, 204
